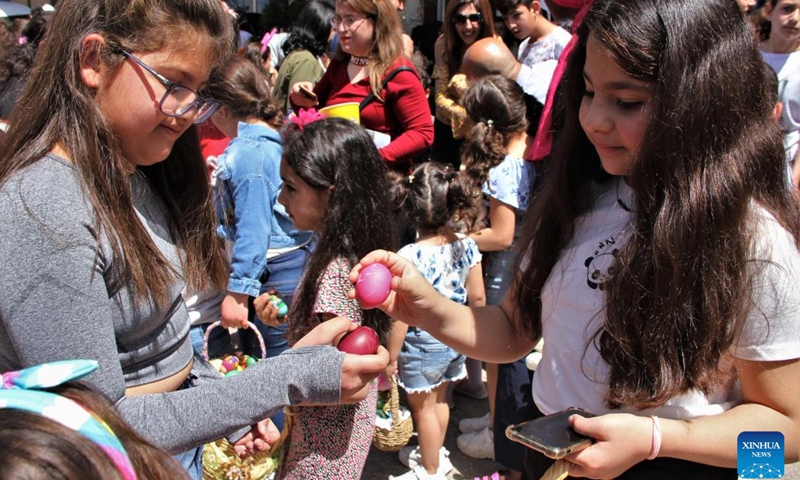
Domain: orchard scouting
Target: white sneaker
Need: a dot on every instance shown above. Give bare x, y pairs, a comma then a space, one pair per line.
478, 444
410, 457
466, 425
419, 473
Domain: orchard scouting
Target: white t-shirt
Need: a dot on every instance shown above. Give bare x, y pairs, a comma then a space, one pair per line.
787, 65
547, 48
535, 80
573, 309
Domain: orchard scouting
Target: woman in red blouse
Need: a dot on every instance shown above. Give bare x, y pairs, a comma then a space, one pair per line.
370, 50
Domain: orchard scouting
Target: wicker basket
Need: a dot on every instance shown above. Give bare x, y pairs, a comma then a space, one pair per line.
220, 461
402, 429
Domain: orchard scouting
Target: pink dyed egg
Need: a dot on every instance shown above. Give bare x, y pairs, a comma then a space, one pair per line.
230, 363
373, 285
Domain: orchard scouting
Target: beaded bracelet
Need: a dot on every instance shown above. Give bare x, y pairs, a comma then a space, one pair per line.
655, 446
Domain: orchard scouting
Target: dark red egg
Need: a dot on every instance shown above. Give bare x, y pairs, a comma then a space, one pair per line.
361, 341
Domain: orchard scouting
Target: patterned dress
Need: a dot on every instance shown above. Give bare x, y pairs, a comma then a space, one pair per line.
331, 442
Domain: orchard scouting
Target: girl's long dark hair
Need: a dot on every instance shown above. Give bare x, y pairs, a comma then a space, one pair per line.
312, 28
338, 153
57, 108
682, 285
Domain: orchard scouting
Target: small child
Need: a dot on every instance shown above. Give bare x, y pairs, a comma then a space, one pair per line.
494, 159
431, 197
334, 183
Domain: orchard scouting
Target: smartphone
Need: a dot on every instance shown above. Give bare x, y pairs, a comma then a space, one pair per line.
551, 434
307, 93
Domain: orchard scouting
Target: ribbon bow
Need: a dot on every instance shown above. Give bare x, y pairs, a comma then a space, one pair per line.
22, 390
543, 141
304, 117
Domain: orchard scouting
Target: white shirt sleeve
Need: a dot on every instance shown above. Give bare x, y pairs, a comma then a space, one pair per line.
535, 80
771, 331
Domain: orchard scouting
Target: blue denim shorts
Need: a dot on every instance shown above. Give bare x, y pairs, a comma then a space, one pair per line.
425, 363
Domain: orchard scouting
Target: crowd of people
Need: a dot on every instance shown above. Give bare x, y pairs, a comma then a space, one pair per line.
616, 180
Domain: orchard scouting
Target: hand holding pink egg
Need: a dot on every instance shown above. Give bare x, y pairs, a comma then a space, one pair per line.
373, 285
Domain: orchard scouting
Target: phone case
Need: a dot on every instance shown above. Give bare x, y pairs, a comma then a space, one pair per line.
551, 435
308, 93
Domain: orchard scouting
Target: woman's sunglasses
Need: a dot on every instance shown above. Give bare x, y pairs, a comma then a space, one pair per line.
461, 19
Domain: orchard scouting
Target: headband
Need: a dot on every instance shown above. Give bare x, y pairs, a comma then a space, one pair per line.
543, 141
22, 390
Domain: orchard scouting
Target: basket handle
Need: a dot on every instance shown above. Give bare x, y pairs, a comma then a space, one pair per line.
250, 325
394, 402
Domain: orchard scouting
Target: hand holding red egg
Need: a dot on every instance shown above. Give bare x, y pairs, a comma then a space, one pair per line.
361, 341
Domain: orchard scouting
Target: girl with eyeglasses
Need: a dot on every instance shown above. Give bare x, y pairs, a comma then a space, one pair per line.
465, 22
108, 218
369, 68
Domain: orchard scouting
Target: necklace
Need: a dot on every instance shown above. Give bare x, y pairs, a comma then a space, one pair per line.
358, 61
620, 202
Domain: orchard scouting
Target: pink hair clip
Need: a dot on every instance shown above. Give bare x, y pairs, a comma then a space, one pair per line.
305, 117
228, 9
266, 38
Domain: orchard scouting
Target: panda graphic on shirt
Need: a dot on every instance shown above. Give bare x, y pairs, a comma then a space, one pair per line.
600, 266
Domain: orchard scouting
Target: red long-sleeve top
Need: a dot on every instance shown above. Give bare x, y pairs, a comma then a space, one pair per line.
404, 113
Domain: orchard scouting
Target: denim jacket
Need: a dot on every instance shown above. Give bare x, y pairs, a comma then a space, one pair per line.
246, 192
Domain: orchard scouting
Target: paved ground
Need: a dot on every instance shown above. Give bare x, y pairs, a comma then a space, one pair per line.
381, 464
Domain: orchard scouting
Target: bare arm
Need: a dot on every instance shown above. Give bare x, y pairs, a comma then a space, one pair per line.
414, 301
476, 291
395, 343
500, 234
770, 391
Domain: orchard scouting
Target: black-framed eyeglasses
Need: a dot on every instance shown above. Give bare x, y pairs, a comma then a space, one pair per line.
461, 19
178, 100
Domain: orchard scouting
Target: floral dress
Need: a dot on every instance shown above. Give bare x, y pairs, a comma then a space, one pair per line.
332, 441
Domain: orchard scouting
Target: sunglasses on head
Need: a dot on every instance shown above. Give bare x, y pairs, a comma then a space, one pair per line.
461, 19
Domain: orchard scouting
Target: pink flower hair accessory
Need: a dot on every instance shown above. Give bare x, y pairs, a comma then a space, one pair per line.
304, 117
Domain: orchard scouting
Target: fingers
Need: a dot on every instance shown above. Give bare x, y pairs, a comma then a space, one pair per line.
328, 332
244, 447
394, 262
586, 426
268, 431
233, 323
358, 371
265, 310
